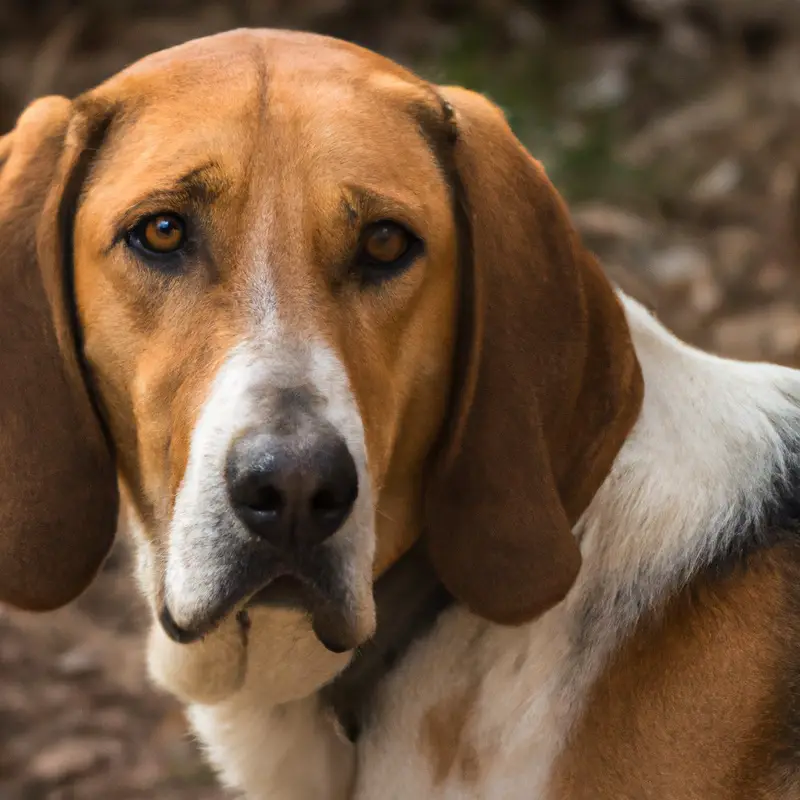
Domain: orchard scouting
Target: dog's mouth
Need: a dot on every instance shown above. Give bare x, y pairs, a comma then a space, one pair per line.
286, 591
291, 592
328, 611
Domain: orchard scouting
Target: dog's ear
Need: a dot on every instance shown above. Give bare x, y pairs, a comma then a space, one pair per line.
58, 489
547, 385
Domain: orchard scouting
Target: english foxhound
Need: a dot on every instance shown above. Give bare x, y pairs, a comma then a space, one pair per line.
331, 331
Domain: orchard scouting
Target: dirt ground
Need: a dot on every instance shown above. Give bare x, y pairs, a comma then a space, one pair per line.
673, 135
77, 718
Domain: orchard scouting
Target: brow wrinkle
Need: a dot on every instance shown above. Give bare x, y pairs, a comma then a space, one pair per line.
365, 201
201, 185
352, 214
205, 181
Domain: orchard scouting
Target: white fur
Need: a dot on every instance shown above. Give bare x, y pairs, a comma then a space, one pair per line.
704, 454
272, 732
204, 529
296, 748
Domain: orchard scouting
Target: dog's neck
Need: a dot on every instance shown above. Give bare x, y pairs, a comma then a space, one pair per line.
710, 471
409, 599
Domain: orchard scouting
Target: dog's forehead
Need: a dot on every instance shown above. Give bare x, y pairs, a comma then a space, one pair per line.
272, 96
206, 76
295, 48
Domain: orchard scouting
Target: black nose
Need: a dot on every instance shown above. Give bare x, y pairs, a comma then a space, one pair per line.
293, 491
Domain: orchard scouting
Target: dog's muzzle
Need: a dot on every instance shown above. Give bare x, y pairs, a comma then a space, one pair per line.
291, 494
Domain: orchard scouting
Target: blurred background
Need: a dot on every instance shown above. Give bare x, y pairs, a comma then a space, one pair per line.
671, 126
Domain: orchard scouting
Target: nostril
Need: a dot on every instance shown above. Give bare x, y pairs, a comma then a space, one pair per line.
266, 500
328, 505
263, 507
323, 502
333, 499
327, 511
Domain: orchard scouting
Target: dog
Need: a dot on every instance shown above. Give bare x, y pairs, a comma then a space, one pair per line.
423, 506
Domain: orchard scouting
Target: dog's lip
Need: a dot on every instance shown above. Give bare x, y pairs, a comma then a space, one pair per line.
236, 600
287, 589
174, 631
293, 592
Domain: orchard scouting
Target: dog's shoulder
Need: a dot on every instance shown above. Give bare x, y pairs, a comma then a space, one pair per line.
711, 690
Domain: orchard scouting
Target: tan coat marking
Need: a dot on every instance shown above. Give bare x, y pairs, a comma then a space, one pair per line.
704, 727
443, 735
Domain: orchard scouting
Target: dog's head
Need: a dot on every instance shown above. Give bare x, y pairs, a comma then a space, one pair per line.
308, 308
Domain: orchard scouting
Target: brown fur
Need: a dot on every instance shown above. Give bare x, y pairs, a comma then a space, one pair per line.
702, 702
58, 501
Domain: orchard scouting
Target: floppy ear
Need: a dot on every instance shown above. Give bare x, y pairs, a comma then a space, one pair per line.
547, 385
58, 490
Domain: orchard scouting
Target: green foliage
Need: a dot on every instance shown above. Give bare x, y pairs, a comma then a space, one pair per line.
532, 83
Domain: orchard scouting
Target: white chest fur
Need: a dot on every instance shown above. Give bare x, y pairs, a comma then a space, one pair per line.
487, 722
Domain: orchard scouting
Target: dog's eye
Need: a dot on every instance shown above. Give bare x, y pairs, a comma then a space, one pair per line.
385, 242
387, 246
160, 234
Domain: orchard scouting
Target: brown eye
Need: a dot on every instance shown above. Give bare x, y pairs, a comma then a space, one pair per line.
385, 242
161, 234
387, 248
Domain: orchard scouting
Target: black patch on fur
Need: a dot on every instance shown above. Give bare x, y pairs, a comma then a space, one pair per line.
67, 213
440, 131
749, 533
780, 517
